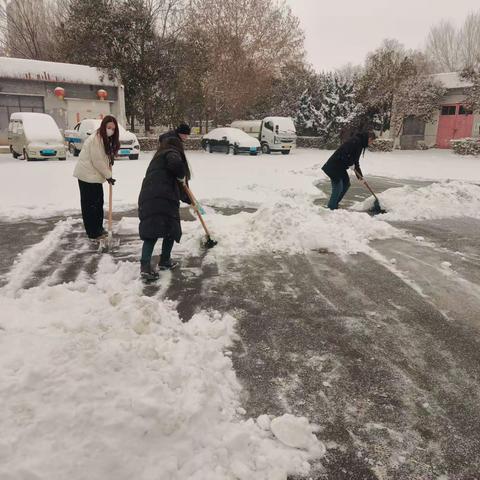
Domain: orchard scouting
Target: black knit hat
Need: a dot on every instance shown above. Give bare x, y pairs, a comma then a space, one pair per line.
184, 129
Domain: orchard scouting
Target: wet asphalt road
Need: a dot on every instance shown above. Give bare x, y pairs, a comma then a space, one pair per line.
382, 351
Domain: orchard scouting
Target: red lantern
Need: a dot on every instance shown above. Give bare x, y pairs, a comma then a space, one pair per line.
59, 92
102, 94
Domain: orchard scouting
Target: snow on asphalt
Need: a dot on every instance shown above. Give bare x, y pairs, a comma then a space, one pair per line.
41, 189
434, 165
98, 380
110, 382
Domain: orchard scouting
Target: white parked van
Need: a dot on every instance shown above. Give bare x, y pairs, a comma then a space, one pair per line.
35, 136
276, 134
129, 145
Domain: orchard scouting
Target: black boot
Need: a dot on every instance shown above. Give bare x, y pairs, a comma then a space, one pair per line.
168, 264
147, 273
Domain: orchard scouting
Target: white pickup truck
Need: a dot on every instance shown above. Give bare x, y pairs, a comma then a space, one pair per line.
129, 146
276, 134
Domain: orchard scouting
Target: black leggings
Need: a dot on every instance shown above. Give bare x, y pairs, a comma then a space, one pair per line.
149, 245
91, 200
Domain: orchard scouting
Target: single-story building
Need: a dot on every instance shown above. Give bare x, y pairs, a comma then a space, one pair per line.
67, 92
452, 121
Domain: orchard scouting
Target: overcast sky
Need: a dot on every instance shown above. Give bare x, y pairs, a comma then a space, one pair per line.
343, 31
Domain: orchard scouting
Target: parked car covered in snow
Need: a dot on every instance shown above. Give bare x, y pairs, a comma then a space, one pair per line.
129, 145
35, 136
230, 140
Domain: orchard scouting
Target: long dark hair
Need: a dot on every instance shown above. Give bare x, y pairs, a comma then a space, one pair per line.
170, 143
174, 143
111, 144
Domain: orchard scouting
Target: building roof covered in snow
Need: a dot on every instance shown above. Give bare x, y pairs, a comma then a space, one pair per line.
452, 80
37, 70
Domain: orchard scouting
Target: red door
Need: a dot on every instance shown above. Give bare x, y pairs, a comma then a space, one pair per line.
455, 122
463, 123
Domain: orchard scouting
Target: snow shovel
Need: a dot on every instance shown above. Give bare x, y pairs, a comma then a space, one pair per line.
209, 242
108, 244
376, 204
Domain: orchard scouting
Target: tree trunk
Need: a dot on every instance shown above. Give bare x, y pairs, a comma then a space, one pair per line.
146, 117
132, 123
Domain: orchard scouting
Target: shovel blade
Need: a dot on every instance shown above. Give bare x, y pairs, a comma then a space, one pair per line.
210, 243
108, 244
377, 209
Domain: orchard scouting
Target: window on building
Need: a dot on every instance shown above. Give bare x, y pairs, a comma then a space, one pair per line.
4, 118
17, 103
464, 110
449, 110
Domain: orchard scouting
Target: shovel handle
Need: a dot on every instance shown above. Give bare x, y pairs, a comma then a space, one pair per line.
110, 198
371, 191
194, 205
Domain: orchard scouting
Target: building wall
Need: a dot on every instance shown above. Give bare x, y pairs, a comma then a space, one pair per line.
453, 97
476, 126
80, 101
431, 131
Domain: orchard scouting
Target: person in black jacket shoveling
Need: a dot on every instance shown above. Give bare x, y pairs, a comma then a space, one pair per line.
347, 155
182, 132
159, 204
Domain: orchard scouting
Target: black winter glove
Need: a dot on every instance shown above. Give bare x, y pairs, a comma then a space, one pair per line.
111, 181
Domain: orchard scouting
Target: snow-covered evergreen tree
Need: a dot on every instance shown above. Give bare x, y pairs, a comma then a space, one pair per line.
473, 93
337, 107
306, 115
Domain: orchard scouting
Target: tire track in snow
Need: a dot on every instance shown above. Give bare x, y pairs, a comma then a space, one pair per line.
438, 275
33, 258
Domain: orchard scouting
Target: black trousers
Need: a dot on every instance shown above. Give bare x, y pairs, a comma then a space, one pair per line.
149, 245
91, 199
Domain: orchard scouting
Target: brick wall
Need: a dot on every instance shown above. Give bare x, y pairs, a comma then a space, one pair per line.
194, 143
151, 143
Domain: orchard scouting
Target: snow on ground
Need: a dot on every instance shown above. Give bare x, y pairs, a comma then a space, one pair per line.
39, 189
281, 187
431, 164
291, 225
439, 200
99, 381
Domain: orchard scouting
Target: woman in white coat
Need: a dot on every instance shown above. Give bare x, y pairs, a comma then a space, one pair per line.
93, 168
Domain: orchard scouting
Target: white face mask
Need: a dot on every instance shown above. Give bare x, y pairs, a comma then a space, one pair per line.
110, 132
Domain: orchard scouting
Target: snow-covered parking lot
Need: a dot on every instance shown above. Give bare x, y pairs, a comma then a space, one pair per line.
328, 345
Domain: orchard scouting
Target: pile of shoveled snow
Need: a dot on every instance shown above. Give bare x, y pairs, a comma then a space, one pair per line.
439, 200
293, 226
99, 381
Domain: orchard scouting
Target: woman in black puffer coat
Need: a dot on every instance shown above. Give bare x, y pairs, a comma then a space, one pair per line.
159, 204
